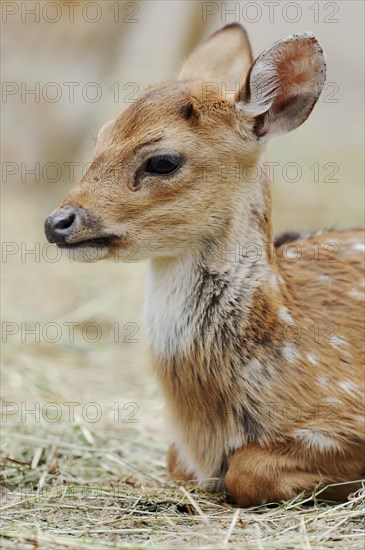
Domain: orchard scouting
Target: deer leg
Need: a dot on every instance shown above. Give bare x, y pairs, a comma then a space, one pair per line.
176, 470
256, 474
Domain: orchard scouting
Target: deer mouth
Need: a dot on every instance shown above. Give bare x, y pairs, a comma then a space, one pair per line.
95, 242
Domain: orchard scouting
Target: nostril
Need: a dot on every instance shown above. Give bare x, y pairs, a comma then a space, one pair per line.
65, 222
60, 225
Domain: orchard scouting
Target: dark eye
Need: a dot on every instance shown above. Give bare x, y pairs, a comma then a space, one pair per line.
164, 164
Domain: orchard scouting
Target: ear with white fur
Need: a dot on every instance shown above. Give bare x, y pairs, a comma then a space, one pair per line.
284, 84
225, 56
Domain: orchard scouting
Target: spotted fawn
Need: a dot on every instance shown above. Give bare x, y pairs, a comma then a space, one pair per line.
257, 343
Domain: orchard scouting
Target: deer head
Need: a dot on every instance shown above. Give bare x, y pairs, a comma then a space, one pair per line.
164, 176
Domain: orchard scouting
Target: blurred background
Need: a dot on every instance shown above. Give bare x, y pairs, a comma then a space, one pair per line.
74, 332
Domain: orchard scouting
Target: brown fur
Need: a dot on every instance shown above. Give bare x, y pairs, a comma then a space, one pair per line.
260, 360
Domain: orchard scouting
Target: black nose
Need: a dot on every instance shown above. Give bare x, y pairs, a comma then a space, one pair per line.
60, 225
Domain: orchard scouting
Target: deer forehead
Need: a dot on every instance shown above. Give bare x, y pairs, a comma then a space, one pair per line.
168, 111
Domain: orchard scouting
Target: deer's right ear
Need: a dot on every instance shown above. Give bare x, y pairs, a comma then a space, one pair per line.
225, 56
284, 84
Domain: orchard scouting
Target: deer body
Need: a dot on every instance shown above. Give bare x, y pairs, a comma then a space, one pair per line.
239, 365
258, 354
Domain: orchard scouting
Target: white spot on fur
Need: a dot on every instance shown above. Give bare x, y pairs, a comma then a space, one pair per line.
348, 386
323, 381
353, 293
338, 341
332, 400
312, 358
324, 278
359, 247
290, 353
285, 316
316, 440
292, 253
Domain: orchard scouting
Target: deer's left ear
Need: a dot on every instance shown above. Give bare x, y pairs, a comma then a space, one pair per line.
284, 84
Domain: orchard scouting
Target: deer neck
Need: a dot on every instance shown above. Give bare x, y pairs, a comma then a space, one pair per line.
188, 297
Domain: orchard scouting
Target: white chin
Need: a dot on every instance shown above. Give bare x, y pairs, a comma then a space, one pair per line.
85, 254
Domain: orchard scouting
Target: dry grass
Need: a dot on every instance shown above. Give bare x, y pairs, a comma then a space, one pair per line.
79, 489
105, 486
